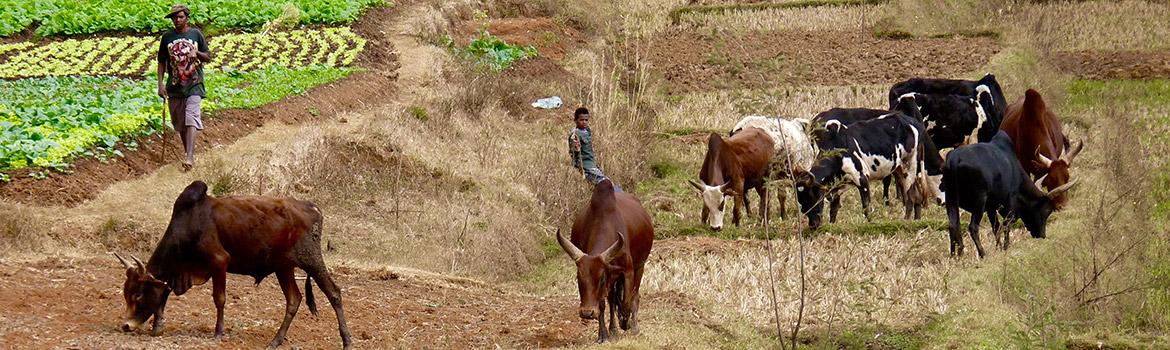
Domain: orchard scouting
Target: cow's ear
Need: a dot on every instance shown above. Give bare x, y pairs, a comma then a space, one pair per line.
1037, 164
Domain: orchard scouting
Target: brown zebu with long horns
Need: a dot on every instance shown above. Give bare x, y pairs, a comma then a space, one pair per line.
610, 242
248, 235
1040, 143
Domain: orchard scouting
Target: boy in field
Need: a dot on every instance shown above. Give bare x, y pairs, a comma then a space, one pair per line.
581, 149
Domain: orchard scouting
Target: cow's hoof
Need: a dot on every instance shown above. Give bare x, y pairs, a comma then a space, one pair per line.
156, 332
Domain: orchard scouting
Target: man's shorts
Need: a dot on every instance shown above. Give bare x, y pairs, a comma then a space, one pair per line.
189, 110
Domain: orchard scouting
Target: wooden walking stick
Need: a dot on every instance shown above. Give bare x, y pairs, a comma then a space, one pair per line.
162, 133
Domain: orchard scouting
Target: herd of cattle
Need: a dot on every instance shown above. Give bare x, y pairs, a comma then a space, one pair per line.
997, 151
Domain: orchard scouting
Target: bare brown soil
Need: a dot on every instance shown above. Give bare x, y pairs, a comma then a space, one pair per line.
78, 304
1115, 64
693, 61
90, 176
550, 39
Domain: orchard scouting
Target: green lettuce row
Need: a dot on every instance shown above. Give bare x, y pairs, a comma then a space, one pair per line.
44, 122
83, 17
135, 56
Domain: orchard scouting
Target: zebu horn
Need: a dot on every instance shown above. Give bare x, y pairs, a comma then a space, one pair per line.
568, 247
124, 262
1040, 180
1044, 160
695, 185
614, 250
1063, 188
141, 267
1068, 156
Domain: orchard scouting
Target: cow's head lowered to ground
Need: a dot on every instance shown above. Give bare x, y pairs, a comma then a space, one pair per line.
144, 294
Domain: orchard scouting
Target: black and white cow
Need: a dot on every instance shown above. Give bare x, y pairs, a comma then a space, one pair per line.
956, 112
987, 178
892, 144
848, 116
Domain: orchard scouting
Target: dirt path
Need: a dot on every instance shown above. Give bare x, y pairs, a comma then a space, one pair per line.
77, 304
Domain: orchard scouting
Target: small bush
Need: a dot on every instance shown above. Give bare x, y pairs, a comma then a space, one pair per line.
491, 52
418, 112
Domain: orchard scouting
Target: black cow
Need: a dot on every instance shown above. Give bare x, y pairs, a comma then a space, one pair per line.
953, 87
891, 144
950, 108
987, 178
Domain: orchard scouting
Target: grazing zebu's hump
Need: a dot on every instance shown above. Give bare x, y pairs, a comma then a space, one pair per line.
1040, 143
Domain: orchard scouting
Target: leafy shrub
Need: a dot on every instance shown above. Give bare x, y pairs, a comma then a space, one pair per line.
490, 51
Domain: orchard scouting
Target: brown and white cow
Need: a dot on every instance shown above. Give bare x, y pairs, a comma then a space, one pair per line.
249, 235
1040, 143
731, 167
794, 151
610, 242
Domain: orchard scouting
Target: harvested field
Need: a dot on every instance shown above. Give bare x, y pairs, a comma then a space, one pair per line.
1096, 25
695, 61
826, 18
1115, 64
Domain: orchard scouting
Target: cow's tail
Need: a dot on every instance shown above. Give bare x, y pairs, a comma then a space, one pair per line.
309, 296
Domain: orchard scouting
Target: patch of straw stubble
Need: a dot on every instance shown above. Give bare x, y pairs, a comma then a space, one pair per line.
1096, 25
824, 18
892, 281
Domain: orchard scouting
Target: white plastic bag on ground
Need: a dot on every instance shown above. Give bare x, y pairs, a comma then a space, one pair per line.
548, 103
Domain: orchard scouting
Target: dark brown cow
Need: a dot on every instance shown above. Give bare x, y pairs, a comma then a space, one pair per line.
1040, 143
610, 242
731, 167
248, 235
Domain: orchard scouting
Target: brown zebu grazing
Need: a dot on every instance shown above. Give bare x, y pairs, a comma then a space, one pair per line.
248, 235
610, 242
1040, 143
731, 167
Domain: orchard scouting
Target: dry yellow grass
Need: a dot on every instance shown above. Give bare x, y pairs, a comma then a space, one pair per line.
851, 280
846, 18
1095, 25
720, 110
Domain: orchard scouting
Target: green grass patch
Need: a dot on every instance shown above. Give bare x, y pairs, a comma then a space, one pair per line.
491, 52
865, 337
687, 131
880, 227
71, 17
677, 13
1084, 94
44, 122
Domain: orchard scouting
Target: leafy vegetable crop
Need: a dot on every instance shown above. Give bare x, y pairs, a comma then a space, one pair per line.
84, 17
88, 112
134, 56
490, 51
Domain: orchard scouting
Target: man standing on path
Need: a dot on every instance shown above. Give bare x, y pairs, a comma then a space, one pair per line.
581, 148
181, 54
